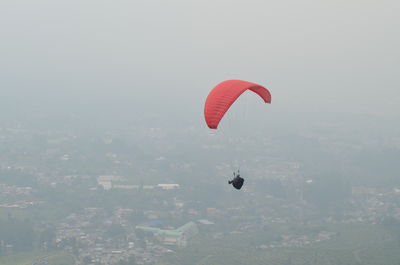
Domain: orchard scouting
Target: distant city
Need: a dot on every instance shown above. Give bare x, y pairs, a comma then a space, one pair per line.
147, 195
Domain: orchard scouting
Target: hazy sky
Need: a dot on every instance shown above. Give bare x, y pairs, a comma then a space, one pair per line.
341, 54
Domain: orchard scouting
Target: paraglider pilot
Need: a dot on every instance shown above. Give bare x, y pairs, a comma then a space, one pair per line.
237, 181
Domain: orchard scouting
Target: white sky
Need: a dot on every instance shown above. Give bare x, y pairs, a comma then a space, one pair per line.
311, 54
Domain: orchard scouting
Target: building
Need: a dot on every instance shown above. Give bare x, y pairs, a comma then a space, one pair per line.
178, 237
168, 186
107, 181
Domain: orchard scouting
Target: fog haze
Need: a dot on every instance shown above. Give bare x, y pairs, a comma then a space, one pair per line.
105, 157
164, 56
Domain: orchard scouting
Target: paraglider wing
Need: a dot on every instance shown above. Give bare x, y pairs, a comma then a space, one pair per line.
224, 95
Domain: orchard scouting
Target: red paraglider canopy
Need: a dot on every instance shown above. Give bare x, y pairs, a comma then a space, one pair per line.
224, 95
